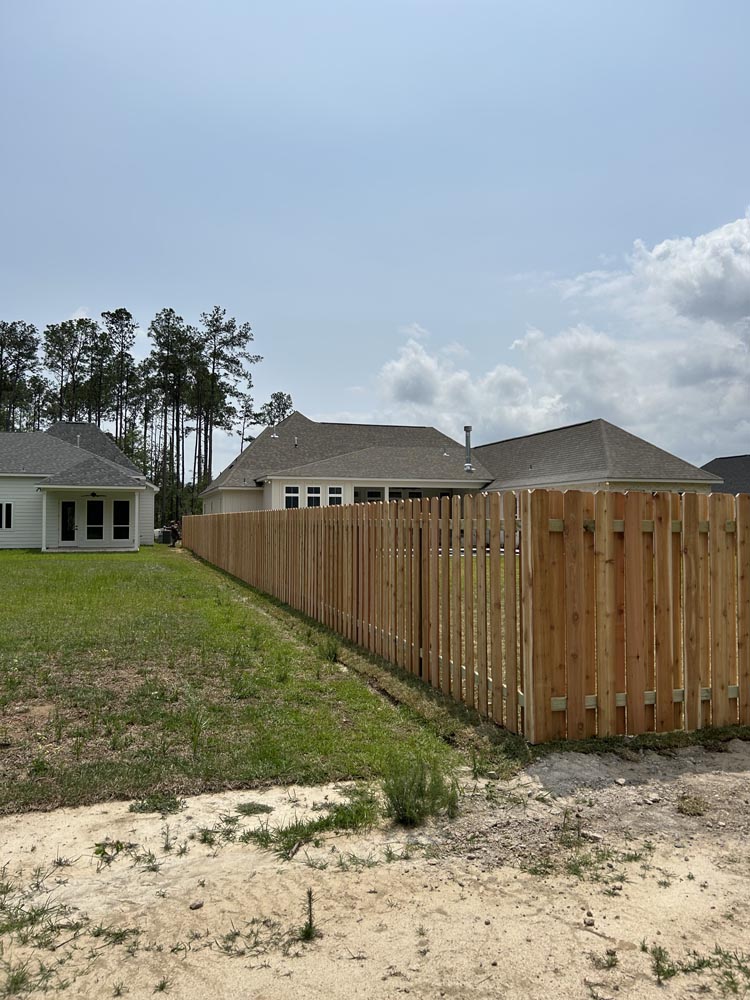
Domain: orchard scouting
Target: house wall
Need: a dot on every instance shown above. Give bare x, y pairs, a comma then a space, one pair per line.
26, 532
146, 516
233, 501
54, 499
427, 489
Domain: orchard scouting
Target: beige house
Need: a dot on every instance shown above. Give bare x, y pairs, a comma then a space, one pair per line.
305, 463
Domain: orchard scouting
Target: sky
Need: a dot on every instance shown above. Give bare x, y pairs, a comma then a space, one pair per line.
513, 215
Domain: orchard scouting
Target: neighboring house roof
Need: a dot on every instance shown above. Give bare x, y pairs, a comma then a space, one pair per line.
48, 454
734, 470
590, 452
309, 449
90, 437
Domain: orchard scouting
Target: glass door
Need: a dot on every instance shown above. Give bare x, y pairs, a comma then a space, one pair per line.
68, 524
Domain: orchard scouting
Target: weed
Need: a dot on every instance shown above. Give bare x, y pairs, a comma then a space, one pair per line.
329, 649
662, 965
158, 802
17, 980
253, 808
416, 788
163, 985
167, 839
107, 850
692, 805
309, 931
119, 989
608, 961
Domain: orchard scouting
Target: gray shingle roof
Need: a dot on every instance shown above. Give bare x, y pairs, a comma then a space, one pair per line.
306, 448
92, 439
428, 463
35, 453
95, 471
64, 464
594, 451
734, 470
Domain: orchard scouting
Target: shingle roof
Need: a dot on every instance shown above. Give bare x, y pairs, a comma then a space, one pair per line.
92, 439
64, 464
306, 448
734, 470
442, 464
594, 451
95, 471
35, 453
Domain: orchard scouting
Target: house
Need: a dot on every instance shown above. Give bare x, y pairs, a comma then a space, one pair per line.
594, 455
734, 470
70, 488
306, 463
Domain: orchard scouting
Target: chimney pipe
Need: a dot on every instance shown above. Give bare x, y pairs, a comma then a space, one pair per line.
78, 440
468, 467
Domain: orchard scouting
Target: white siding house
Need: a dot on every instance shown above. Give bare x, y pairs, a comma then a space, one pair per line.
56, 495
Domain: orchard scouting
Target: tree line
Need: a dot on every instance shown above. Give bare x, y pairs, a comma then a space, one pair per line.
162, 411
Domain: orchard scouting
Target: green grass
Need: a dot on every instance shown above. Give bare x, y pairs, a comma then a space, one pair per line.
127, 675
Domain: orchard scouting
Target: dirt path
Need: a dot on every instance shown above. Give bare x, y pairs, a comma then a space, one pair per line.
548, 886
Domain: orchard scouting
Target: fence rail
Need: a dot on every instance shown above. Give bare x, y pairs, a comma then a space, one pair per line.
555, 614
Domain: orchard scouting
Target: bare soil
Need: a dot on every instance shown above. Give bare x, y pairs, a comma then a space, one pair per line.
564, 882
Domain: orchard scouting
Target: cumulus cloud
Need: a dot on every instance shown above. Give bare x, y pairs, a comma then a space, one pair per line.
661, 347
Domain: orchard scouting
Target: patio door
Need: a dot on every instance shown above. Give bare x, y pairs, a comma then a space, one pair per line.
68, 526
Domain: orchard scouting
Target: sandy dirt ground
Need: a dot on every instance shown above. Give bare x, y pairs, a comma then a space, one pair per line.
564, 882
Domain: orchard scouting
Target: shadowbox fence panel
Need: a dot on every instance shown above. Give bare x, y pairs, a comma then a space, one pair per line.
555, 614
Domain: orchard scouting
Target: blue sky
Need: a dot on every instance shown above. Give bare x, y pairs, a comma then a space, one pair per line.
517, 215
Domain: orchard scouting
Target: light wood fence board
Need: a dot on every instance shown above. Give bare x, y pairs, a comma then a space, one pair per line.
480, 517
663, 617
606, 614
723, 609
496, 607
693, 620
468, 595
434, 538
743, 606
445, 595
456, 608
575, 602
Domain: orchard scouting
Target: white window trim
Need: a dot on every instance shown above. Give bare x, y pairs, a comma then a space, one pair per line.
4, 504
335, 496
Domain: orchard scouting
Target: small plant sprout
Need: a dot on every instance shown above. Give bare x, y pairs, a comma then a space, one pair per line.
309, 931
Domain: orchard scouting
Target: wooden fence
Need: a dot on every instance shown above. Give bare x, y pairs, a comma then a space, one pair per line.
602, 613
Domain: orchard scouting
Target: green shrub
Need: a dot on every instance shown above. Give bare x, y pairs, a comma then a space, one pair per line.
416, 788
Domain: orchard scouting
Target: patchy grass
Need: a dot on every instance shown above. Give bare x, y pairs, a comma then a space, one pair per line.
151, 676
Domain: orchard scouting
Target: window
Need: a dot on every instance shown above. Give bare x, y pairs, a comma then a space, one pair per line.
415, 494
335, 496
94, 520
6, 516
121, 519
291, 497
313, 496
394, 494
374, 494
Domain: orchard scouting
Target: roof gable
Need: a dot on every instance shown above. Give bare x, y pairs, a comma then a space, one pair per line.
93, 439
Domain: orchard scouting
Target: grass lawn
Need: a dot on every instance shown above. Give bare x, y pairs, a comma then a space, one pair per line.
123, 674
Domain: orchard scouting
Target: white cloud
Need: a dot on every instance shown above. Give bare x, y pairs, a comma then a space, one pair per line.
662, 348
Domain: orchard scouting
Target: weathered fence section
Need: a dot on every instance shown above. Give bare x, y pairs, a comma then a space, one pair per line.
555, 614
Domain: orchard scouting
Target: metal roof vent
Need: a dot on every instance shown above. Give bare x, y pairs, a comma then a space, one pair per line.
468, 467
